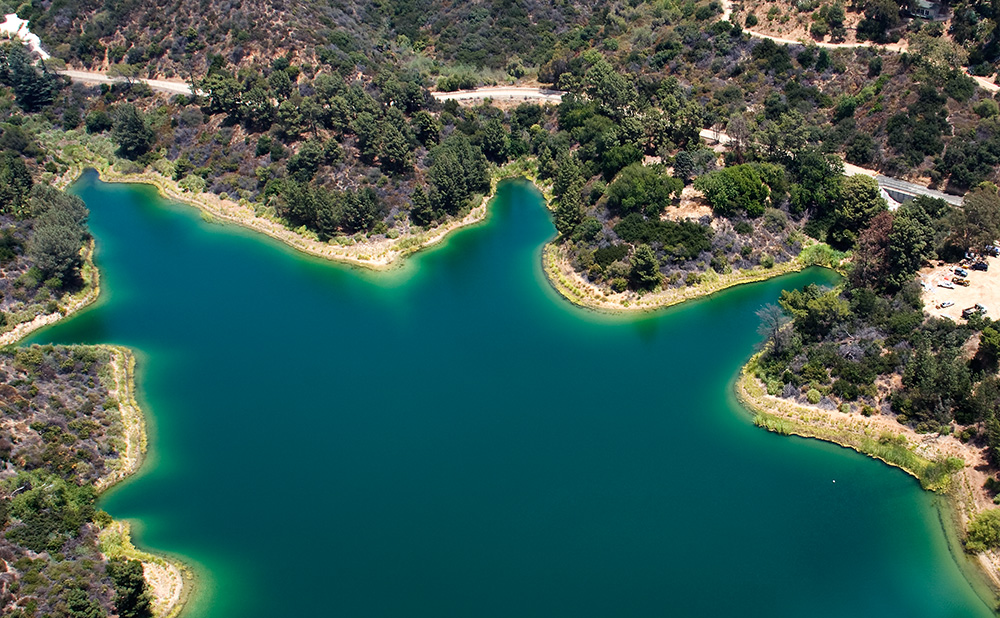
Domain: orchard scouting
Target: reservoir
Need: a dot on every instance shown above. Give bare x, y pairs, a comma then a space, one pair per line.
452, 439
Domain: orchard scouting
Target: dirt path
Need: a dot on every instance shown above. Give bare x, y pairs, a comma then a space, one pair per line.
516, 93
727, 11
96, 77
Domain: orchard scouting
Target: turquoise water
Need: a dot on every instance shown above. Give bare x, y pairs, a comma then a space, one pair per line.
452, 439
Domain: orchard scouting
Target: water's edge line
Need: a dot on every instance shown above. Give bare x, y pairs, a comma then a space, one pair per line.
87, 296
959, 509
179, 575
387, 253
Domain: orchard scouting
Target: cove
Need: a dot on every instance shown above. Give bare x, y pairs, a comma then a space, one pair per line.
452, 439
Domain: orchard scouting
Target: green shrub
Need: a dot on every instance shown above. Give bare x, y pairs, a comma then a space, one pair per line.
984, 532
813, 396
766, 261
192, 183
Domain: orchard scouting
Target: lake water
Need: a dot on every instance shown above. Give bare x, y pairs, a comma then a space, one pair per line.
452, 439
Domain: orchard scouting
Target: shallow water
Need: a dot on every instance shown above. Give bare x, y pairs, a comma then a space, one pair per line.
452, 439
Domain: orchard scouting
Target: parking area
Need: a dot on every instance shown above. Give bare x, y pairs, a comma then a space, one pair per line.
983, 289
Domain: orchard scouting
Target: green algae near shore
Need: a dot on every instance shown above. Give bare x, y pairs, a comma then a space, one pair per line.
462, 441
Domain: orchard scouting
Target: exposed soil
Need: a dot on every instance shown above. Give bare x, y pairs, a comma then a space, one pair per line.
984, 289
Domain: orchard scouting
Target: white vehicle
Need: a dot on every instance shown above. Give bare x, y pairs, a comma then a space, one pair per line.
948, 285
946, 303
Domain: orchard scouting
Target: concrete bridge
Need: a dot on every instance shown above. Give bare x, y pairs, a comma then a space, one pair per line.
901, 191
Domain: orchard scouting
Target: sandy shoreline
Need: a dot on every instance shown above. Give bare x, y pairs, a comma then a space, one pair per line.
170, 582
376, 254
964, 490
575, 287
89, 294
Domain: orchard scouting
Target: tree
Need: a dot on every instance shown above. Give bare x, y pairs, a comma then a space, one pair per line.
426, 127
773, 323
568, 173
610, 88
82, 606
457, 170
360, 210
815, 311
496, 141
302, 166
860, 202
421, 211
735, 189
223, 93
394, 149
739, 131
569, 209
130, 132
32, 90
642, 189
132, 598
644, 271
818, 186
989, 345
871, 254
15, 185
911, 243
977, 223
59, 230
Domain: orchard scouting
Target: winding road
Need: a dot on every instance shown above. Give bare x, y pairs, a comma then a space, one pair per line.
893, 186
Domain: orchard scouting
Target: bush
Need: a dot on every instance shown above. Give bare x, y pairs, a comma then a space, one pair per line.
766, 261
984, 532
98, 122
605, 256
192, 183
813, 396
987, 108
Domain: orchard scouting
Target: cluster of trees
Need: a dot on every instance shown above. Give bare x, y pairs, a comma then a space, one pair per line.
44, 230
327, 212
844, 347
59, 231
33, 89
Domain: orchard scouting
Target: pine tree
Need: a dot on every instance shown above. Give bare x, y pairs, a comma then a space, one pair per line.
421, 212
645, 272
569, 209
130, 131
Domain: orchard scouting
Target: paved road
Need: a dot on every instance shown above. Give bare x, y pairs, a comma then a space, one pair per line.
894, 185
890, 185
510, 93
94, 77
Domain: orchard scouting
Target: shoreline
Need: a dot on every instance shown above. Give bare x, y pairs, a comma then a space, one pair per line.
384, 254
882, 438
169, 581
577, 290
89, 294
378, 254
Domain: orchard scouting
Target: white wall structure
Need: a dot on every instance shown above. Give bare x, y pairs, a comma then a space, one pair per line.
17, 28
